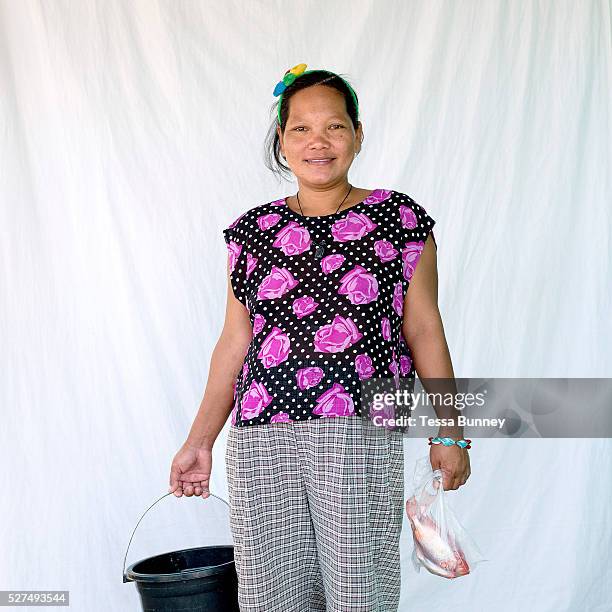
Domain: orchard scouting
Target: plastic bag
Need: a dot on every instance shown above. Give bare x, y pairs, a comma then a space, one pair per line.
441, 544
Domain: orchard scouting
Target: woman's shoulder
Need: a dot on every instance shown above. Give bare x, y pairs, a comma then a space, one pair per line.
250, 215
401, 198
252, 220
409, 209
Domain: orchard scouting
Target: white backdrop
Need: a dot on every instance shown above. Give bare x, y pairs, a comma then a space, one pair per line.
132, 133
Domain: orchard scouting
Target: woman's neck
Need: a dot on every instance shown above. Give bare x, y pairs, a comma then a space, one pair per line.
326, 202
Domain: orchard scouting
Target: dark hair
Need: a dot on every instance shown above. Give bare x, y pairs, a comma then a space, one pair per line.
273, 157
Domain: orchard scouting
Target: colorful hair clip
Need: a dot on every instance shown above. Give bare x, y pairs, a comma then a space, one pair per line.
289, 77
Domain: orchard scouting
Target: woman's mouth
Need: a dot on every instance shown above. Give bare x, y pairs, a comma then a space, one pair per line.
323, 161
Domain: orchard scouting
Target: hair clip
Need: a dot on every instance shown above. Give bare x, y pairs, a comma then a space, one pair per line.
289, 77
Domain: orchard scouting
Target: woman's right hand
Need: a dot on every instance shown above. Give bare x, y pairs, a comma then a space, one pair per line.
190, 471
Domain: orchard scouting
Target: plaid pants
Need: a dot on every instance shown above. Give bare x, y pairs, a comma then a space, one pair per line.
316, 515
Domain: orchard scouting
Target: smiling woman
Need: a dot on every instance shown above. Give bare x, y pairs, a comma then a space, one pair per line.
319, 144
321, 280
321, 103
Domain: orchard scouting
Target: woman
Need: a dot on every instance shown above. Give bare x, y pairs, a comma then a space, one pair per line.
318, 302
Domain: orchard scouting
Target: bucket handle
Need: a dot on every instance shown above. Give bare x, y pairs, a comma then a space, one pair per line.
125, 579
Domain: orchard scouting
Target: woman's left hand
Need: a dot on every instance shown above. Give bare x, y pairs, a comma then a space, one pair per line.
454, 462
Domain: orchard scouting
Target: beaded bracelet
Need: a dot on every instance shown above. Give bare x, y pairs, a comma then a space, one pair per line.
450, 442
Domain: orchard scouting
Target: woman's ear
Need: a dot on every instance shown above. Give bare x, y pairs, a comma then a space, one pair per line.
358, 138
280, 138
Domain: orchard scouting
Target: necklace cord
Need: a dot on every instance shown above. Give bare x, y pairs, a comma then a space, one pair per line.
337, 209
320, 245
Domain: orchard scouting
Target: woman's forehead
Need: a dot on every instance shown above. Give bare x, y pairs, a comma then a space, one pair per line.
319, 114
329, 108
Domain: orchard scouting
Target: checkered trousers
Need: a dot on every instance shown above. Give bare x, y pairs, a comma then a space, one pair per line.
316, 515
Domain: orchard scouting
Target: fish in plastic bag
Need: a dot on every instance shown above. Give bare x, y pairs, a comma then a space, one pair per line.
441, 545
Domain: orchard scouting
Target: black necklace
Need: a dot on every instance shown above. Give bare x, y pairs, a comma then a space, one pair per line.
320, 246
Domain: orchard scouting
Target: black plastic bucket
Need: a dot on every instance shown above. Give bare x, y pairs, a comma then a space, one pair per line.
190, 580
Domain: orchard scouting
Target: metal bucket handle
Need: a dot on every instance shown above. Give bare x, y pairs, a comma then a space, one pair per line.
125, 579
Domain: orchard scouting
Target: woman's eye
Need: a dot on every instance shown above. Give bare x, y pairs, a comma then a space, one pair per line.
301, 128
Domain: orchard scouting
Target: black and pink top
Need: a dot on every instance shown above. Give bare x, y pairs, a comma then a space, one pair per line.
324, 319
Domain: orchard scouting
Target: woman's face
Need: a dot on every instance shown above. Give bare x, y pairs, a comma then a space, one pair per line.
319, 127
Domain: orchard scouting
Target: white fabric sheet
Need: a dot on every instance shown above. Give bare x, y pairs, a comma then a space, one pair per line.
132, 133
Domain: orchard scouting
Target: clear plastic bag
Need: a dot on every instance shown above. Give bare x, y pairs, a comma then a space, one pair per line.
441, 544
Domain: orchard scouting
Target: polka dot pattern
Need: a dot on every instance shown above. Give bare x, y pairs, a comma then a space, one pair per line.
324, 319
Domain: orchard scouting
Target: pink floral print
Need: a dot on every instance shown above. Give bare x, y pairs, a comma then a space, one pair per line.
322, 325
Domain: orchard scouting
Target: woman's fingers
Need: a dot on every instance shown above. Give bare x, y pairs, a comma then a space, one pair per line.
205, 491
196, 488
189, 489
178, 491
175, 473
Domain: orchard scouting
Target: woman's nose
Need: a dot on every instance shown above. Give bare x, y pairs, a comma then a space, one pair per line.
319, 138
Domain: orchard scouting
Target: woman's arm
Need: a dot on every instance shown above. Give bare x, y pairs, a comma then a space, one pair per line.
225, 364
424, 334
422, 326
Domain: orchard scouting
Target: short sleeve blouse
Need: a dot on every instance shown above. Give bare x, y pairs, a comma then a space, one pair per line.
322, 323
